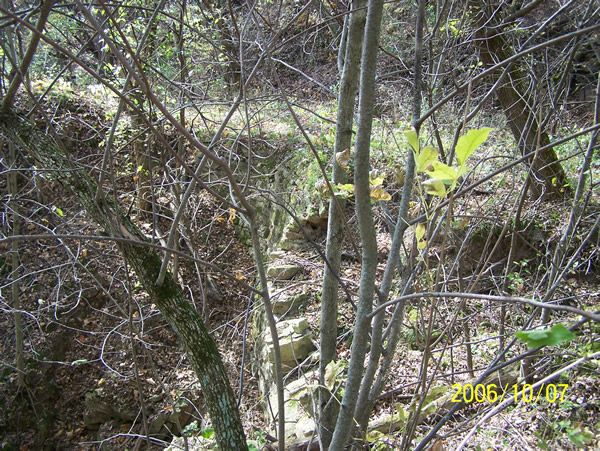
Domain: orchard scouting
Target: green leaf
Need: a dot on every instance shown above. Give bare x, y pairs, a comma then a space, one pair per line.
580, 437
426, 156
347, 187
420, 231
443, 172
547, 337
467, 144
419, 234
435, 187
413, 138
207, 432
58, 211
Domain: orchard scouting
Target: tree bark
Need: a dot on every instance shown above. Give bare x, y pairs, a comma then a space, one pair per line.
13, 204
550, 179
335, 227
172, 302
364, 213
369, 390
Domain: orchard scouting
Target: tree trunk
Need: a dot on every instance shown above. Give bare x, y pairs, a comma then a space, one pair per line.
370, 390
550, 180
13, 204
143, 145
364, 213
229, 42
15, 83
141, 152
172, 302
335, 227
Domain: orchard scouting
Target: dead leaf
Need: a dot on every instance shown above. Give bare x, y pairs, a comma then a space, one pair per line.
343, 159
378, 193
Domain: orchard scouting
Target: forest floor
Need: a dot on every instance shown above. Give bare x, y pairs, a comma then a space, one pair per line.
84, 386
87, 387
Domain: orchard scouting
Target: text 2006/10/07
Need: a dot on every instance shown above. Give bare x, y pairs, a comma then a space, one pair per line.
492, 393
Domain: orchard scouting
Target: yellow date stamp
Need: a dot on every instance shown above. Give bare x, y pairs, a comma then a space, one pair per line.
491, 393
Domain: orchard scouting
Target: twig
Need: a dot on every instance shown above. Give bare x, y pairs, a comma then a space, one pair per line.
486, 297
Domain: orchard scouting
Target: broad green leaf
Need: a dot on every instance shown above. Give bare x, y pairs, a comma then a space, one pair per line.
378, 193
537, 335
435, 187
443, 172
343, 159
347, 187
547, 337
413, 138
467, 144
420, 231
426, 156
419, 234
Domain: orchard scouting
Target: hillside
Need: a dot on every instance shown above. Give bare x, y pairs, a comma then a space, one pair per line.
300, 226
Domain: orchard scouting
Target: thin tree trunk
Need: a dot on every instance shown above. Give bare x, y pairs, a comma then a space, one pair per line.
15, 83
143, 145
141, 151
13, 190
170, 299
369, 391
335, 227
228, 47
364, 213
